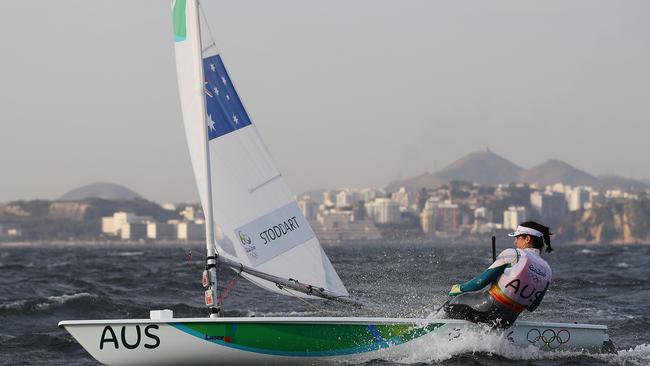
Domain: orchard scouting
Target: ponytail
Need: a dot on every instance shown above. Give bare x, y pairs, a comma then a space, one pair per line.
547, 240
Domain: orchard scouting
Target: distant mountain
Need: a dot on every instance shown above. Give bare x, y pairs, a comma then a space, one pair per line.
482, 167
616, 182
426, 180
556, 171
102, 190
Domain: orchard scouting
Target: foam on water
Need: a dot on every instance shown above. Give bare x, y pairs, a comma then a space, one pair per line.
13, 305
47, 303
440, 348
127, 254
63, 299
639, 355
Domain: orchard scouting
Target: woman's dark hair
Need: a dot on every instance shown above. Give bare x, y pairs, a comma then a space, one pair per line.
545, 239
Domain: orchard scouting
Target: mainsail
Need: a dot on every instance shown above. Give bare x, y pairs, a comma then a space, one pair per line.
255, 218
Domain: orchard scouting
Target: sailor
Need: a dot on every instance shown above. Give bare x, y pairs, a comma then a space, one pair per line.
515, 282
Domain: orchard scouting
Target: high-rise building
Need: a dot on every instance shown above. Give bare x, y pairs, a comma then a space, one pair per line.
342, 225
383, 211
133, 231
428, 221
578, 198
344, 199
550, 204
190, 231
113, 225
402, 197
447, 214
307, 207
513, 216
439, 216
161, 231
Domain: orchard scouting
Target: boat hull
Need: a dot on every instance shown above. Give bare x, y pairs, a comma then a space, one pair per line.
281, 341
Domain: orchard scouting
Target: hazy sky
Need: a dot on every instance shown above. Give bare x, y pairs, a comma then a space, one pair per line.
345, 93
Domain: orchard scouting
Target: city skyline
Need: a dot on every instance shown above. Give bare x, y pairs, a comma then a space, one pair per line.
416, 87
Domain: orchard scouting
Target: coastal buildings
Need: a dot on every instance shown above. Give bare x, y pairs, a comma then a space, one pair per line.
113, 225
578, 198
513, 216
383, 211
333, 225
190, 231
308, 208
10, 231
128, 226
162, 231
439, 216
549, 204
457, 209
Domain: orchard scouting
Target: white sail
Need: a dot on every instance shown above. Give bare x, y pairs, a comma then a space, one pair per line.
256, 220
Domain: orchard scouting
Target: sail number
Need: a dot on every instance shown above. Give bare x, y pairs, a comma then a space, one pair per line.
130, 340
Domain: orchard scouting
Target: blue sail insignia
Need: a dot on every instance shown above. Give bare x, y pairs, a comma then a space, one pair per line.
225, 111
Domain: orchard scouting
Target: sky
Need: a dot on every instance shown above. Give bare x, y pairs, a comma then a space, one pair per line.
344, 93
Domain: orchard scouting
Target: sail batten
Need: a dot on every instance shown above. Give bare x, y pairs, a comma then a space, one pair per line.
257, 222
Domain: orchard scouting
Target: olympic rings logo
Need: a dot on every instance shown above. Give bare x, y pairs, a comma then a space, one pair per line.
549, 337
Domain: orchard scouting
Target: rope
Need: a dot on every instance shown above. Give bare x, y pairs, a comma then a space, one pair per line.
226, 291
318, 309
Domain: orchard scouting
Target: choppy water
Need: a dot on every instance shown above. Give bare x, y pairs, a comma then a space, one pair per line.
41, 285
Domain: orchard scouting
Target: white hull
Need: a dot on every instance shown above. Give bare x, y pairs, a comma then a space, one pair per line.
281, 341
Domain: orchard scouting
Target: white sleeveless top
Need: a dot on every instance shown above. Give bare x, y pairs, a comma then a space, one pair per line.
527, 279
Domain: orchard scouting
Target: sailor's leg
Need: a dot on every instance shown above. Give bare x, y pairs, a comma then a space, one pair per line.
480, 307
470, 306
500, 316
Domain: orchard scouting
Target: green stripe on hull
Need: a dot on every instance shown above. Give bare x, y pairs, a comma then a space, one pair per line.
291, 339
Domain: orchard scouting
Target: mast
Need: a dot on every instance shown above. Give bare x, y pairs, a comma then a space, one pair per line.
211, 261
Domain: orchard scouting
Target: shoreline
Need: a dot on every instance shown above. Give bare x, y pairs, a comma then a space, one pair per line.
325, 243
97, 243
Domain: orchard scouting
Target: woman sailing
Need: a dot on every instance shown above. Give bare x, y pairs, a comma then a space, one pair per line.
518, 280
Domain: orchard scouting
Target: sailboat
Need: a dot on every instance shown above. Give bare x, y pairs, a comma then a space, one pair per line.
255, 227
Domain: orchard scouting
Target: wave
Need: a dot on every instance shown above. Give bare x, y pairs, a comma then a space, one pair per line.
284, 313
126, 254
634, 354
62, 299
17, 266
39, 305
486, 345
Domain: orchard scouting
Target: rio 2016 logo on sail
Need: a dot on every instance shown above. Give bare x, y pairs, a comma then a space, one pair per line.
246, 242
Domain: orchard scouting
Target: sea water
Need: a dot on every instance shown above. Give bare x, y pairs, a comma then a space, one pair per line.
43, 284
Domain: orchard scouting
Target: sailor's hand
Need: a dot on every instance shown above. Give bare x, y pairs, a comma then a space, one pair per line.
455, 290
